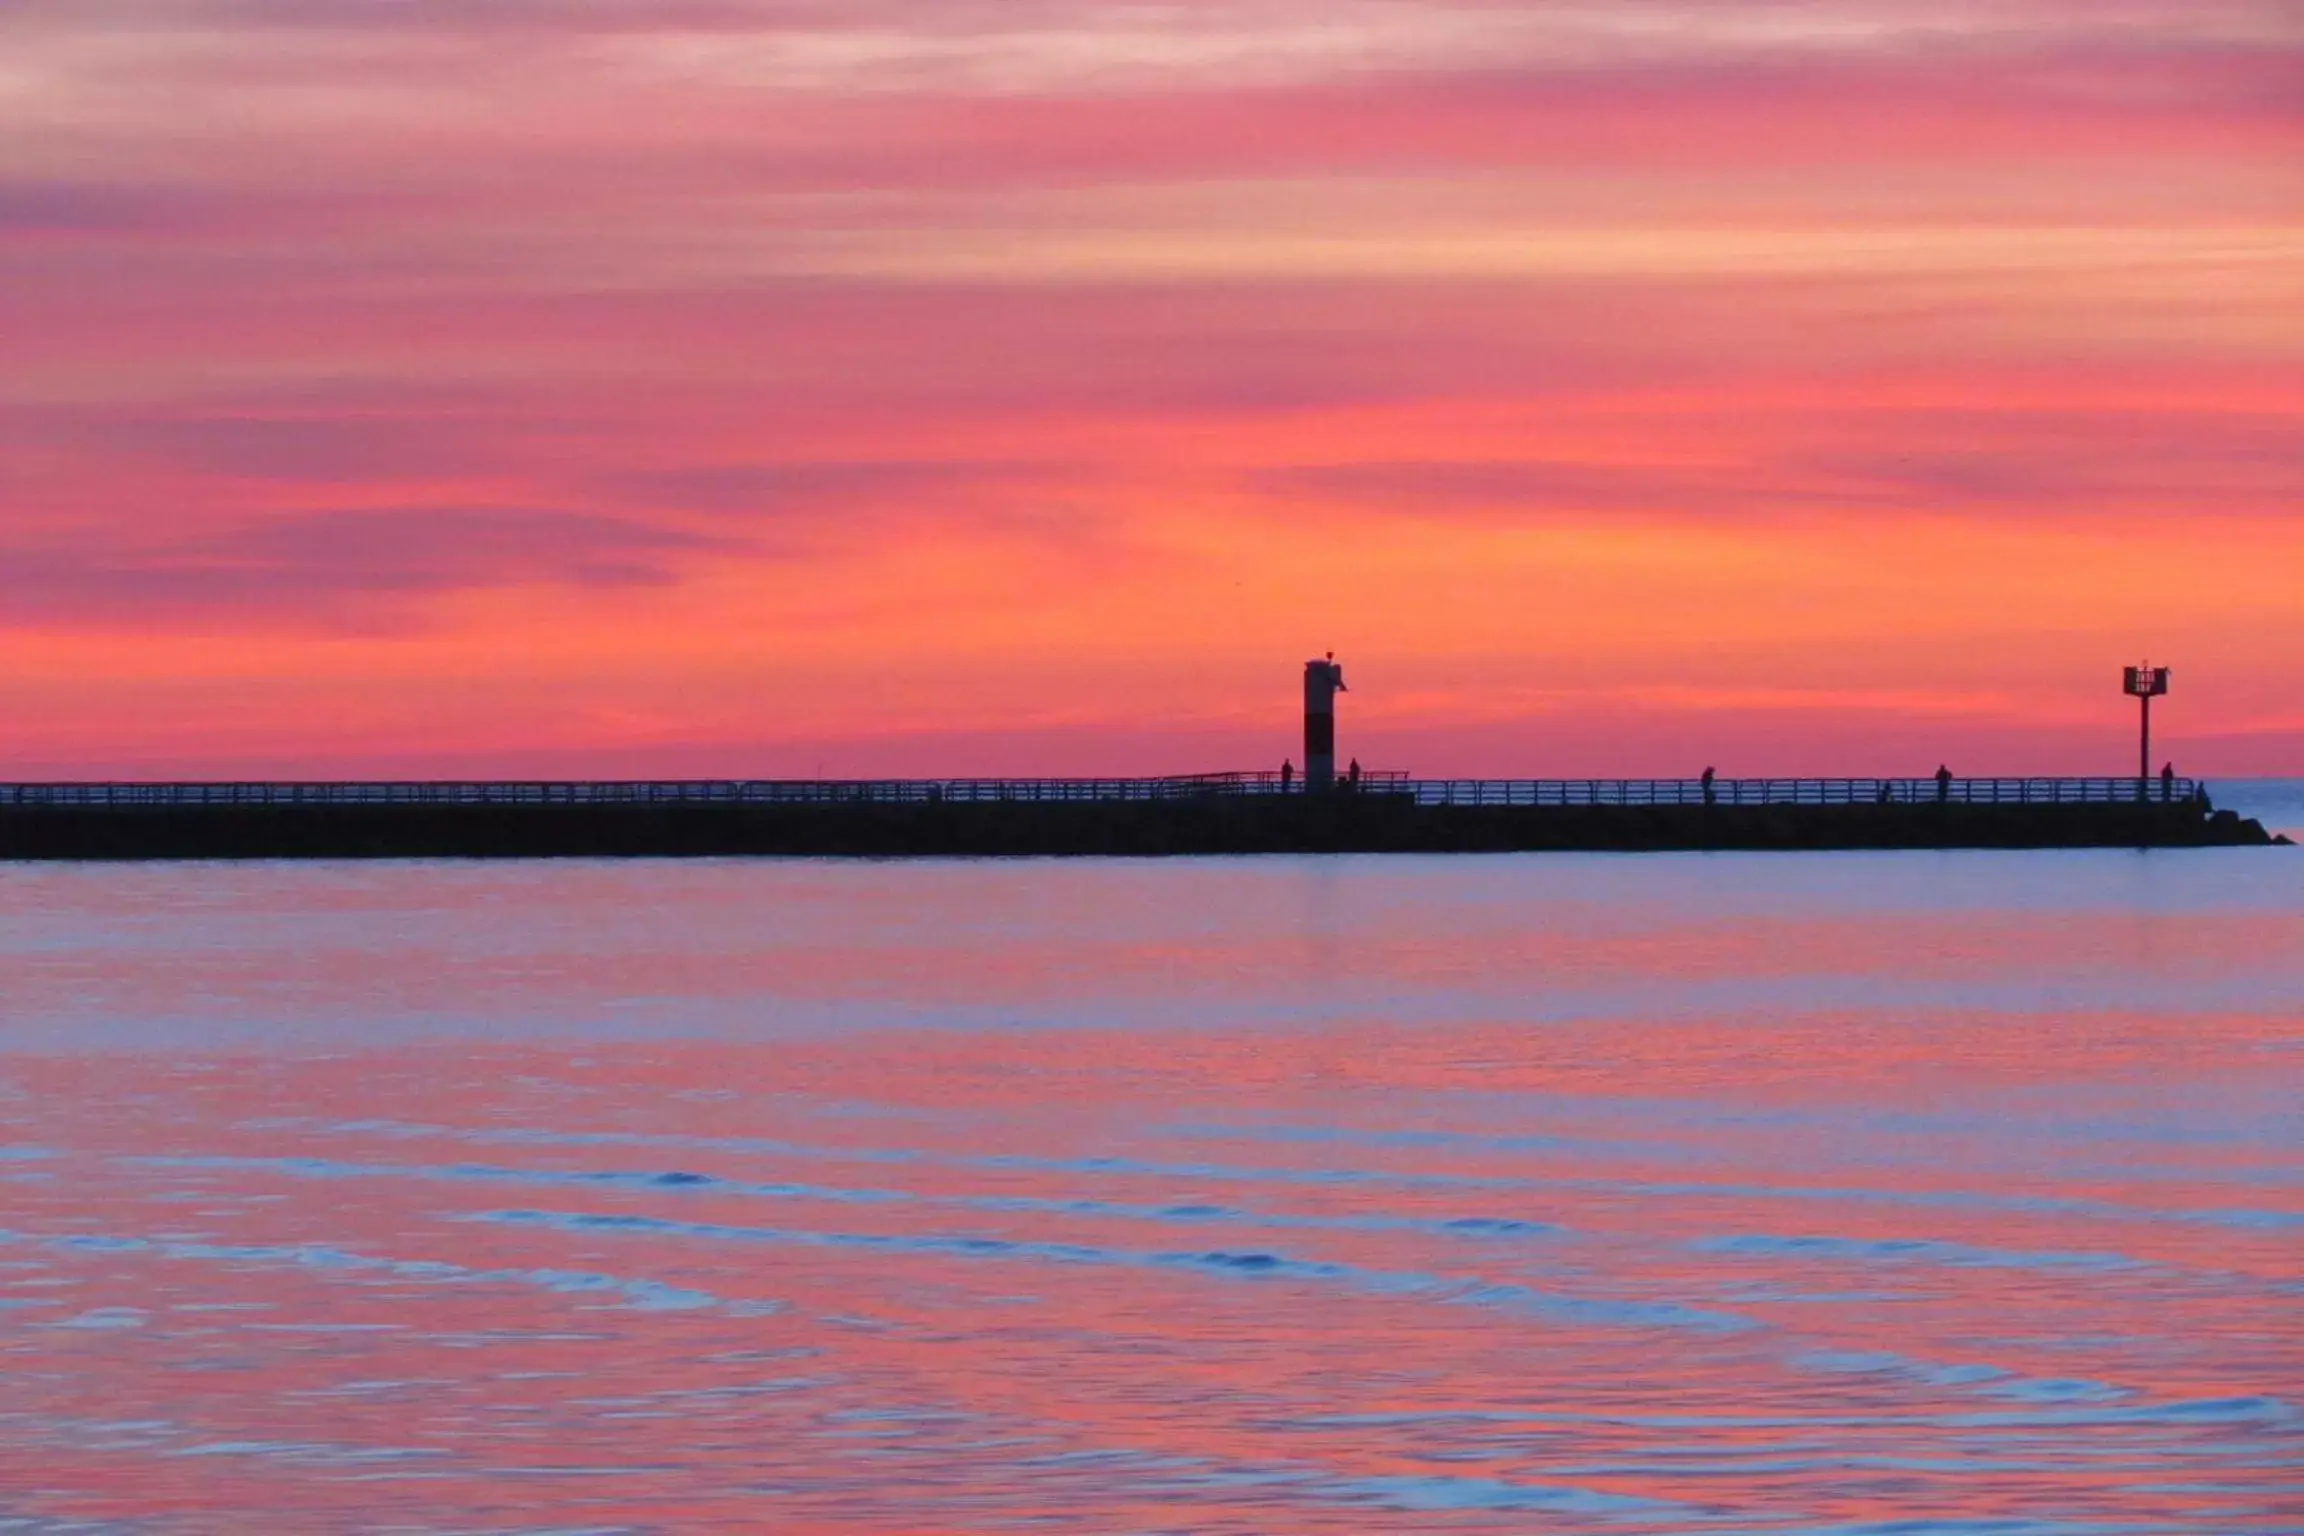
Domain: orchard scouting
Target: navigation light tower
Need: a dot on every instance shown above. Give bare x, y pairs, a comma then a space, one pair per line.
2144, 684
1323, 680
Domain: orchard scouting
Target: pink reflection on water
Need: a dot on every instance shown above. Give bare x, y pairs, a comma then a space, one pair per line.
1419, 1252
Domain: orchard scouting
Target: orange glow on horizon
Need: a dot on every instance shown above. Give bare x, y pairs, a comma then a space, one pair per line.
795, 394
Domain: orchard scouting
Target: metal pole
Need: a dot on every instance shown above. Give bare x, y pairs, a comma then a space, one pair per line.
2144, 754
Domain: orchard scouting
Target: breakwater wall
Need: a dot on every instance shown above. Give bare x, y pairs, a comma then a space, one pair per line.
1220, 814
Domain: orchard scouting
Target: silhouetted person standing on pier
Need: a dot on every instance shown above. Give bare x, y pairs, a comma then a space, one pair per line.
2167, 781
1943, 784
1287, 774
1352, 776
1711, 795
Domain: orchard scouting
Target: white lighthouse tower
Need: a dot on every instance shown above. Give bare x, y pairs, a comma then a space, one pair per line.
1323, 680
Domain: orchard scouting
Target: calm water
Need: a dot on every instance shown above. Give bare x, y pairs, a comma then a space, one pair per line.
1844, 1194
2278, 803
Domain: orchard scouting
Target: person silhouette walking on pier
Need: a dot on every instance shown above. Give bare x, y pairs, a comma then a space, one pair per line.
1943, 784
1711, 795
1352, 776
2167, 782
1287, 774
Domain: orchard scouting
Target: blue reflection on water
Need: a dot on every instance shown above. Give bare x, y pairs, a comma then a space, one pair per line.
1861, 1194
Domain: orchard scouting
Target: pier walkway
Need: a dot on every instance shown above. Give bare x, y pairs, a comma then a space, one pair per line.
804, 792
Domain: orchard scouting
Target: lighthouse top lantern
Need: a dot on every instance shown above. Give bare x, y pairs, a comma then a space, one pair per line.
1323, 680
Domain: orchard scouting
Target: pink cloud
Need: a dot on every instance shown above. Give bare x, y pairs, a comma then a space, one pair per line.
975, 326
330, 568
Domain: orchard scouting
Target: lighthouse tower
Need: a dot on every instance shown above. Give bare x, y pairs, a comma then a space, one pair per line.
1323, 680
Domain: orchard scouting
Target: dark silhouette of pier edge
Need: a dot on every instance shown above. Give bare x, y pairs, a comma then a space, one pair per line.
1317, 810
1213, 814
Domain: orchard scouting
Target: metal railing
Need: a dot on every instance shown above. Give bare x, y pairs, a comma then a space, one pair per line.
1758, 792
1431, 792
633, 792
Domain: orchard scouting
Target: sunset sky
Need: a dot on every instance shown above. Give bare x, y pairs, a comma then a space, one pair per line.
796, 387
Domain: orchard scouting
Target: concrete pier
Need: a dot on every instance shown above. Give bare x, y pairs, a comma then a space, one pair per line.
1215, 814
